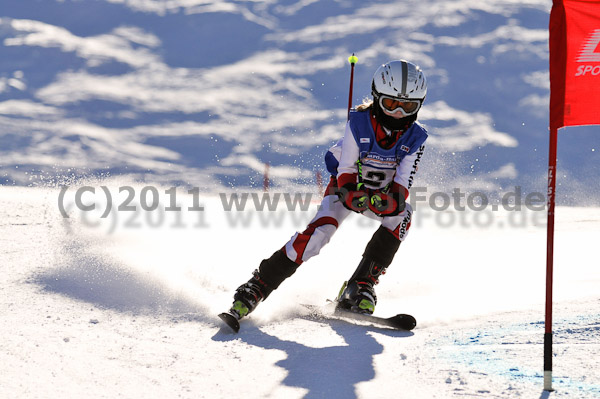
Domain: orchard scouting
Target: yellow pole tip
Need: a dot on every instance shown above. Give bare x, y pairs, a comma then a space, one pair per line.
353, 59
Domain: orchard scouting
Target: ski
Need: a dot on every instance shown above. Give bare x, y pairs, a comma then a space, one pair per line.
400, 322
231, 321
233, 316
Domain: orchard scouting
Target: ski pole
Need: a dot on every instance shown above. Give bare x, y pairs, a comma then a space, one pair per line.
352, 60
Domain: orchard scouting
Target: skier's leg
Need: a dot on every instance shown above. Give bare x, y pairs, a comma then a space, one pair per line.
358, 294
303, 246
284, 262
399, 225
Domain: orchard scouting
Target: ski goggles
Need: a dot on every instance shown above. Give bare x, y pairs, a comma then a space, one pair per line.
393, 105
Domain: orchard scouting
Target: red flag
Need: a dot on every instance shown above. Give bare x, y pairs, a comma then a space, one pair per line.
574, 63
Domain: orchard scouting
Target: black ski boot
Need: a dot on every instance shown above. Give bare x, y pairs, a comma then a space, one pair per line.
358, 293
268, 277
249, 295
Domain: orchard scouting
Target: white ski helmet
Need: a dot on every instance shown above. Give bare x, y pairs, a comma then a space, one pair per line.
399, 86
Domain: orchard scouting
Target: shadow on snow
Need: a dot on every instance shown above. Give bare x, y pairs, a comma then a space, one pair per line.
330, 372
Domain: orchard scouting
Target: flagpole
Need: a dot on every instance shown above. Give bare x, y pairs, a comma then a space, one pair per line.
550, 259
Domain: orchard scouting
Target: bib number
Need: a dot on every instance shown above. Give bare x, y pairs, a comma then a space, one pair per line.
377, 178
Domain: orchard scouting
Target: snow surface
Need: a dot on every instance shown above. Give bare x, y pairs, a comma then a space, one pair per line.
126, 306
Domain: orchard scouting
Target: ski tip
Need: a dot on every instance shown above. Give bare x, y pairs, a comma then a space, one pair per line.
404, 321
231, 321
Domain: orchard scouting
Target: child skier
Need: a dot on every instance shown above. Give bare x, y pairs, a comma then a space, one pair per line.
372, 168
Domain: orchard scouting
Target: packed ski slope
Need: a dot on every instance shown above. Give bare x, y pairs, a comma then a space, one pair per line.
126, 306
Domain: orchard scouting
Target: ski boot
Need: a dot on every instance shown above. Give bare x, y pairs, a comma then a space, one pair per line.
246, 298
358, 293
271, 273
249, 295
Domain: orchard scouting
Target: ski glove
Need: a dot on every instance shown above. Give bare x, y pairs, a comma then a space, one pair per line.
387, 204
354, 197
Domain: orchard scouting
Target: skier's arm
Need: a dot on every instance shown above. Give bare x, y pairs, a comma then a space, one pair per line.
347, 168
407, 169
351, 195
